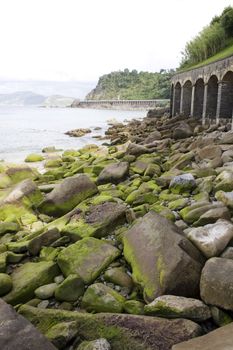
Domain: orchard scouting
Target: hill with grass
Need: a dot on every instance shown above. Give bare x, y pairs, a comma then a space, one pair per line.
214, 42
132, 85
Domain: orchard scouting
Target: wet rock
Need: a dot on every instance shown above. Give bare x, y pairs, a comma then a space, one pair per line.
17, 333
101, 298
217, 283
87, 258
44, 239
27, 278
114, 173
212, 239
171, 306
162, 260
219, 339
78, 132
70, 289
67, 195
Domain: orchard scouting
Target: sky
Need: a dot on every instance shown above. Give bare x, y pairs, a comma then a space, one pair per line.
80, 40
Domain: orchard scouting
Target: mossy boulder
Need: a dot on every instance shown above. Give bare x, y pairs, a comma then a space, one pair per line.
153, 248
70, 289
46, 291
20, 173
5, 181
27, 278
34, 157
118, 276
5, 284
87, 258
171, 306
192, 213
101, 298
182, 183
122, 331
43, 240
8, 227
134, 307
101, 343
61, 334
65, 196
224, 181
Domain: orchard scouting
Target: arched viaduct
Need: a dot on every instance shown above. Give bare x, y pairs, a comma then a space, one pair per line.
205, 92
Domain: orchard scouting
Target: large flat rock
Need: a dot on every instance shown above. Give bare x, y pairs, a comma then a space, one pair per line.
17, 333
220, 339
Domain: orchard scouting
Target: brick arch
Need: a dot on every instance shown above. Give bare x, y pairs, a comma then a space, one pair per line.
198, 98
212, 97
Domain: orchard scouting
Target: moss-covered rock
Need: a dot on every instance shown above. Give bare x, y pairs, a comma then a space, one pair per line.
70, 289
87, 258
114, 173
182, 184
5, 284
46, 291
61, 334
34, 157
119, 277
29, 277
101, 298
67, 195
134, 307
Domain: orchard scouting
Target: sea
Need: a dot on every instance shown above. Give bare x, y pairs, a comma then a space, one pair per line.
25, 130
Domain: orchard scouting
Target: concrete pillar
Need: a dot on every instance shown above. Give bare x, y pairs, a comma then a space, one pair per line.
181, 99
192, 101
204, 104
219, 101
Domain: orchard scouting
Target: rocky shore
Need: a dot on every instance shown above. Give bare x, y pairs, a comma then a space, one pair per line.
127, 246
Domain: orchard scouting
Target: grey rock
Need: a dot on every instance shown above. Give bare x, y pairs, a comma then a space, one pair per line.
114, 173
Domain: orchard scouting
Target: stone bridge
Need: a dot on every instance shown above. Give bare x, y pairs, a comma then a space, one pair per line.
205, 92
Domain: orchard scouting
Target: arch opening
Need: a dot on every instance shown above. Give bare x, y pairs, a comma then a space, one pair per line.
171, 99
212, 97
177, 97
187, 97
198, 98
226, 106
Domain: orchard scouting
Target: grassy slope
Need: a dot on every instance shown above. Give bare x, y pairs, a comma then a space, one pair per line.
228, 51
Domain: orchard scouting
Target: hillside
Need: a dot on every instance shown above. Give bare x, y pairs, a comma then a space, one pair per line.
21, 98
214, 42
132, 85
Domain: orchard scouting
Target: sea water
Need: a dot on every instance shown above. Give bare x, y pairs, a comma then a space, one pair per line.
25, 130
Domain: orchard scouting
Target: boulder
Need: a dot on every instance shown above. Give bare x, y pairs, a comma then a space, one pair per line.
162, 260
123, 331
65, 196
70, 289
33, 157
137, 150
27, 278
43, 240
153, 136
171, 306
101, 298
46, 291
17, 333
87, 258
62, 333
225, 197
182, 183
213, 215
114, 173
209, 152
227, 138
20, 173
216, 283
212, 239
220, 339
182, 131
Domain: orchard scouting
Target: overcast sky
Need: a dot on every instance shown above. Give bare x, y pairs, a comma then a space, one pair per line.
84, 39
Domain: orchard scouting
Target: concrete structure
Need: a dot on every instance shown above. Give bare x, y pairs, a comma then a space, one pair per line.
120, 104
205, 92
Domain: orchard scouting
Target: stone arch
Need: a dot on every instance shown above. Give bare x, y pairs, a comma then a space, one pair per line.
212, 97
226, 105
187, 97
177, 97
198, 98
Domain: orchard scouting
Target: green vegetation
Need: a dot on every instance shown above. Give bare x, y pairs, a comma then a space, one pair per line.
212, 43
132, 85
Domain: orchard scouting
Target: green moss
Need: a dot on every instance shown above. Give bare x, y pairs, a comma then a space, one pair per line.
33, 157
17, 213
